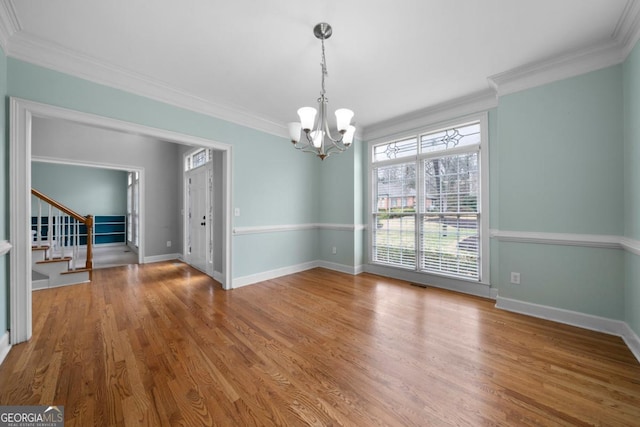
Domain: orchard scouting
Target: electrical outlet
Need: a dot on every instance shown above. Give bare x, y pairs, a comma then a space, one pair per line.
236, 211
334, 250
168, 243
515, 278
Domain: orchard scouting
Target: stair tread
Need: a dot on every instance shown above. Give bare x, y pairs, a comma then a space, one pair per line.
39, 248
46, 261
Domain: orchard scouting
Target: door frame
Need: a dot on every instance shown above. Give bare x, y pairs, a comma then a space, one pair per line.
210, 270
97, 165
22, 113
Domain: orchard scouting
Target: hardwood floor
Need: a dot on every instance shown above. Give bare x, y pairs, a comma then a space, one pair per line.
162, 344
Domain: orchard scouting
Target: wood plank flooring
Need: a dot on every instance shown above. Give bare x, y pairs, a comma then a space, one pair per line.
162, 344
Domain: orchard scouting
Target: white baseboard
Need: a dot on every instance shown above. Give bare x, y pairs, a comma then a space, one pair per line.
349, 269
574, 318
218, 276
239, 282
160, 258
40, 284
273, 274
4, 346
632, 340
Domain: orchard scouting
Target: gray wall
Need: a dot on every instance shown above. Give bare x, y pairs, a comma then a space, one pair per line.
162, 219
86, 190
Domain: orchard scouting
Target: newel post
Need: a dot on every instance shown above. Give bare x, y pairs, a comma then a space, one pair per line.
89, 224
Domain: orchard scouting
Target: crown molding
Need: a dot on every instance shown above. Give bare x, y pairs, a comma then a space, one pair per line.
28, 48
23, 46
459, 107
608, 53
557, 68
9, 24
627, 31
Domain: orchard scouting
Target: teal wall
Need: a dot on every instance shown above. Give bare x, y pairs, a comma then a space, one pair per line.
4, 194
560, 156
631, 85
86, 190
558, 169
341, 202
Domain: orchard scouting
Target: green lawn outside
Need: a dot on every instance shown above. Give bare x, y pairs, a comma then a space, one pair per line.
444, 245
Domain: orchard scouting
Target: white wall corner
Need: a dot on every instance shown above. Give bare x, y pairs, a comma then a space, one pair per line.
4, 346
9, 24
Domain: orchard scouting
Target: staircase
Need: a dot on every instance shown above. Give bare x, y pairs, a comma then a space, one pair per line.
59, 235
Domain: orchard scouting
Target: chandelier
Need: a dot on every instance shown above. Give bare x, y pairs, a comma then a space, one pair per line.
313, 136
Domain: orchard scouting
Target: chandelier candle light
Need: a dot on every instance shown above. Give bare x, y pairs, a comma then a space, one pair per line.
316, 138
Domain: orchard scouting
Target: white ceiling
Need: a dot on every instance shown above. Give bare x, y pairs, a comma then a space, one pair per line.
249, 60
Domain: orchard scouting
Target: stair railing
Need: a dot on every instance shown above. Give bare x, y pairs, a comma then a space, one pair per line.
61, 233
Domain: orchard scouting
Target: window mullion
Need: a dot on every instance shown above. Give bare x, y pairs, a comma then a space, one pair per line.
418, 214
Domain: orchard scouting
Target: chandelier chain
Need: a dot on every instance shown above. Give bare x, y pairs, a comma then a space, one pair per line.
324, 67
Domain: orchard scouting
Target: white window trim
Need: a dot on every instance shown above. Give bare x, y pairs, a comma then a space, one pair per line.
483, 119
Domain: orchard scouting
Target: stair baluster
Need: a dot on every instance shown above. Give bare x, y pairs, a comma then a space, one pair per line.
63, 233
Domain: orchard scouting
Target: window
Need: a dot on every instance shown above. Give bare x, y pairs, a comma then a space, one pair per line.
426, 210
197, 159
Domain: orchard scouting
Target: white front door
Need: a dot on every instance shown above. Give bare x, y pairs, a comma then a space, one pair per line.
199, 227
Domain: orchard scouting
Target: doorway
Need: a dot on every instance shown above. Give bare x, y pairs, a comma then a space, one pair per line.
22, 113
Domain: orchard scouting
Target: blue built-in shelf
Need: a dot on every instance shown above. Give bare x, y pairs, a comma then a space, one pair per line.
106, 228
109, 229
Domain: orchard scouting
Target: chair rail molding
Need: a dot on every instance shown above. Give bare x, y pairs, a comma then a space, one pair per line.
567, 239
276, 228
